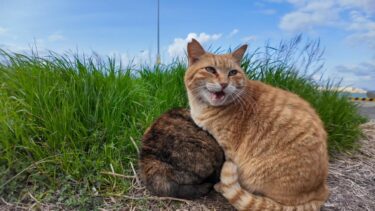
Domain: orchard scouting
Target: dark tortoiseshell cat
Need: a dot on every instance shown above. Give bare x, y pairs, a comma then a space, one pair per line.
179, 159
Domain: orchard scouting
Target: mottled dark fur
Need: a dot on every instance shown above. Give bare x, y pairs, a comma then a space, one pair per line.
179, 159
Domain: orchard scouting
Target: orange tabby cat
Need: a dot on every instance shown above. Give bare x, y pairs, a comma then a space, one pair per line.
274, 142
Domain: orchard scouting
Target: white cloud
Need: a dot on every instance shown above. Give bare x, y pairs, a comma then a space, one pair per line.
299, 21
177, 48
268, 11
308, 15
37, 45
13, 47
233, 32
276, 1
249, 38
3, 30
355, 16
55, 37
39, 42
360, 75
360, 22
294, 2
365, 5
362, 28
142, 57
363, 69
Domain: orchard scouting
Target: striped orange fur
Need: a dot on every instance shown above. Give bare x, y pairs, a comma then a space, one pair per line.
274, 142
243, 200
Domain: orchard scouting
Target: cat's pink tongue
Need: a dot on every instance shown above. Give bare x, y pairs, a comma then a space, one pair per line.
217, 96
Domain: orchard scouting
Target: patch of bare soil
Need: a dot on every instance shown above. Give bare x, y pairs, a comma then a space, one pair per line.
351, 180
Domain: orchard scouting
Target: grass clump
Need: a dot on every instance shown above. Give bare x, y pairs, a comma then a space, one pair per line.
64, 120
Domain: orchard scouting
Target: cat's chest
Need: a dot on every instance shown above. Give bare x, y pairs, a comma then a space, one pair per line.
219, 131
200, 123
210, 120
198, 115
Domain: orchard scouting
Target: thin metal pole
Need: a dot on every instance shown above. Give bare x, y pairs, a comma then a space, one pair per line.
158, 36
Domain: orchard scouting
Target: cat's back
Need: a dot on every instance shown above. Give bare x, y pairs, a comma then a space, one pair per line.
176, 128
166, 125
273, 102
175, 149
175, 122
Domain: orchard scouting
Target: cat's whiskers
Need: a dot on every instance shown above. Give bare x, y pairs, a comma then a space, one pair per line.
252, 97
253, 102
241, 102
198, 89
241, 94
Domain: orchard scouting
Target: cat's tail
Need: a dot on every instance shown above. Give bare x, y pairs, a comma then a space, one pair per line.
243, 200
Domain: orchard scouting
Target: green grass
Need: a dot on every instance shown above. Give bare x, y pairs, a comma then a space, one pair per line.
64, 120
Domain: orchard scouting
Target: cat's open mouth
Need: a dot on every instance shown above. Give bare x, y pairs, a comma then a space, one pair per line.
217, 96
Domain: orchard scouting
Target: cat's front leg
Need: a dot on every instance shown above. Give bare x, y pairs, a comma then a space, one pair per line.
228, 177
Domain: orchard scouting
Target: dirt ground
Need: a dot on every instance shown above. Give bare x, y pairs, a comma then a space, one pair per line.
352, 177
351, 180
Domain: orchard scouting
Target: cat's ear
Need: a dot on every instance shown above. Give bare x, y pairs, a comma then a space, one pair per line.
239, 53
195, 51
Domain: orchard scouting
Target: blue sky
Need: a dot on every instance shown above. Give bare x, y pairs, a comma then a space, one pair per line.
127, 29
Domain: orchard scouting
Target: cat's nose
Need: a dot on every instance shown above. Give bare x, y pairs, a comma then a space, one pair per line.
223, 85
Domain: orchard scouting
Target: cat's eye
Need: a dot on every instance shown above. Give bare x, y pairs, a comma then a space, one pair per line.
232, 72
210, 70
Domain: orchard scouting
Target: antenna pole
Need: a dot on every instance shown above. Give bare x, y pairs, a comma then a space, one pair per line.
158, 36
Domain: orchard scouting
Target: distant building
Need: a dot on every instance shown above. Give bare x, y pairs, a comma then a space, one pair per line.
348, 89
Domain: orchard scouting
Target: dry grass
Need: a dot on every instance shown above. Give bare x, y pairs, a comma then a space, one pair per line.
352, 177
351, 180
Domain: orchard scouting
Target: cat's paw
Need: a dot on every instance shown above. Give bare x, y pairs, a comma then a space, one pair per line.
228, 173
202, 189
229, 167
219, 187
